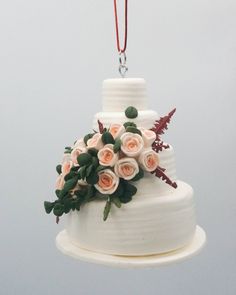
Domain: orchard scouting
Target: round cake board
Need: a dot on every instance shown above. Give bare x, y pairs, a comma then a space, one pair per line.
67, 248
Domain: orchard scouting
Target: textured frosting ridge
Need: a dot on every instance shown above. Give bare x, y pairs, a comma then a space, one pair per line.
118, 94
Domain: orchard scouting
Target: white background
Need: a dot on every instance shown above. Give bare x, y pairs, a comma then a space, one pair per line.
54, 55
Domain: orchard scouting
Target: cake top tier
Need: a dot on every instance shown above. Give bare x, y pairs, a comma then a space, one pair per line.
118, 94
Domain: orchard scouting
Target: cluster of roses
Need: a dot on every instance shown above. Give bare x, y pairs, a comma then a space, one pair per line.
104, 165
120, 159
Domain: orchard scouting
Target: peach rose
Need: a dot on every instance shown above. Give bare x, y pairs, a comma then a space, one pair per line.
106, 156
95, 141
116, 130
149, 160
132, 144
126, 168
60, 182
76, 152
67, 164
149, 137
108, 182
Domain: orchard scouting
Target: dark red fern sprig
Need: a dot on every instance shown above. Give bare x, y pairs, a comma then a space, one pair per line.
160, 173
159, 128
100, 126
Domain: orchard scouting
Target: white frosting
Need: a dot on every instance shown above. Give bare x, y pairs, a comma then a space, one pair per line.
159, 218
118, 94
144, 226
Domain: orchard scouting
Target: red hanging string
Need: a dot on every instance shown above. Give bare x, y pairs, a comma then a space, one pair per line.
117, 27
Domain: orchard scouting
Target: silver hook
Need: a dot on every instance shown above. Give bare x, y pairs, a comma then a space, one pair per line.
122, 61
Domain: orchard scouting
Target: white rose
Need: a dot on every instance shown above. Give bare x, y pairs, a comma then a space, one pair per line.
149, 136
132, 144
116, 130
108, 182
95, 141
106, 155
126, 168
149, 160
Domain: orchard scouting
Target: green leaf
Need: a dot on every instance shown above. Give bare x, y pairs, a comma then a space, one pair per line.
107, 209
58, 168
129, 191
89, 170
48, 206
127, 124
58, 210
131, 112
116, 201
93, 152
70, 175
100, 168
87, 137
107, 138
92, 178
69, 185
74, 168
82, 172
84, 159
117, 145
95, 162
68, 150
90, 193
100, 195
83, 191
58, 192
133, 130
139, 175
119, 191
67, 205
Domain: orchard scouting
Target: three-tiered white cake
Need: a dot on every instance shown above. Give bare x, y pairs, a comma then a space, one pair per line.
160, 218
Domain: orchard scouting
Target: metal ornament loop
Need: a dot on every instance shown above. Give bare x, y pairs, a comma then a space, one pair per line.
122, 70
122, 61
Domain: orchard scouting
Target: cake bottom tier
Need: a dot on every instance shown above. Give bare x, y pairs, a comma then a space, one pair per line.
142, 227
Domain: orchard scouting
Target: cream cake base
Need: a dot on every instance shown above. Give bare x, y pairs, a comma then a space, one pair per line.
196, 244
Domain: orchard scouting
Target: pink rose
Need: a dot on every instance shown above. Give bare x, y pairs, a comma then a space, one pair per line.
126, 168
149, 160
95, 141
60, 182
149, 137
76, 152
67, 164
108, 182
132, 144
106, 156
116, 130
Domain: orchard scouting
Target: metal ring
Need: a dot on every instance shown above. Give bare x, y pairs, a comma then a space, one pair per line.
123, 69
122, 58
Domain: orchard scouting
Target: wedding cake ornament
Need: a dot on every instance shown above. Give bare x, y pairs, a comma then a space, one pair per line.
118, 187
